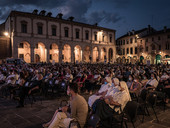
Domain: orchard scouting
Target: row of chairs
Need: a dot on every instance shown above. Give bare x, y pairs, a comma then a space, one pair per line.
131, 110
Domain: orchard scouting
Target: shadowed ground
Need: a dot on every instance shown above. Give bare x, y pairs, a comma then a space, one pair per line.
35, 116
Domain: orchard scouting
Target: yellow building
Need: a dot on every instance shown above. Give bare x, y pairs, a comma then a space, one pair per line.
156, 47
128, 47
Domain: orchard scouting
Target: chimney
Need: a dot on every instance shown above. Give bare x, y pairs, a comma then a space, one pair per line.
35, 12
149, 28
49, 14
129, 33
71, 18
42, 13
95, 24
133, 32
59, 15
165, 28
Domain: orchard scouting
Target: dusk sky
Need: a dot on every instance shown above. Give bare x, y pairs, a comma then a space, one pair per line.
121, 15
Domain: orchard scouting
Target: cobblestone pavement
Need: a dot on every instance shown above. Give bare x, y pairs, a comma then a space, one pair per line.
35, 116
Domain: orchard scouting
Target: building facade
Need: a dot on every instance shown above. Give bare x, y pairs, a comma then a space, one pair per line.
128, 48
156, 47
43, 38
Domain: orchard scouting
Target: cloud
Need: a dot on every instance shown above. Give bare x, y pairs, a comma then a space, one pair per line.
42, 3
107, 17
76, 8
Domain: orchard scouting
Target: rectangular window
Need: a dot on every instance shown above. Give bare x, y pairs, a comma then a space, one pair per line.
136, 50
50, 56
127, 51
40, 30
123, 51
95, 37
146, 48
123, 42
103, 39
127, 41
159, 47
36, 46
66, 32
159, 38
131, 50
77, 34
131, 40
53, 31
167, 46
21, 45
21, 56
135, 39
87, 36
24, 28
110, 38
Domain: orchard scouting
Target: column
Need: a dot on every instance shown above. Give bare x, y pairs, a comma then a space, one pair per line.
82, 59
72, 55
99, 55
91, 61
32, 54
107, 55
60, 54
48, 55
15, 51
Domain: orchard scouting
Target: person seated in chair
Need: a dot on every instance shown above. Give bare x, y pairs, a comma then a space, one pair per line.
152, 83
60, 118
34, 86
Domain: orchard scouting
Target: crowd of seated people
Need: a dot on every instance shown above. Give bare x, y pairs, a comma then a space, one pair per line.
109, 84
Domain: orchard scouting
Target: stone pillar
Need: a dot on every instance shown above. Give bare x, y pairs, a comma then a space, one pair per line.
91, 54
15, 51
60, 54
72, 55
82, 59
99, 55
32, 54
48, 55
107, 55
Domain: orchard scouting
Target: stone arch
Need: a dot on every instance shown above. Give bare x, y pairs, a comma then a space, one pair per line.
41, 51
87, 54
158, 59
123, 59
110, 55
54, 53
118, 60
128, 59
24, 51
66, 53
95, 54
103, 55
77, 54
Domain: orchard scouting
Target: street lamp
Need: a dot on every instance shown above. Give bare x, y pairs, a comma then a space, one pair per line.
6, 33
